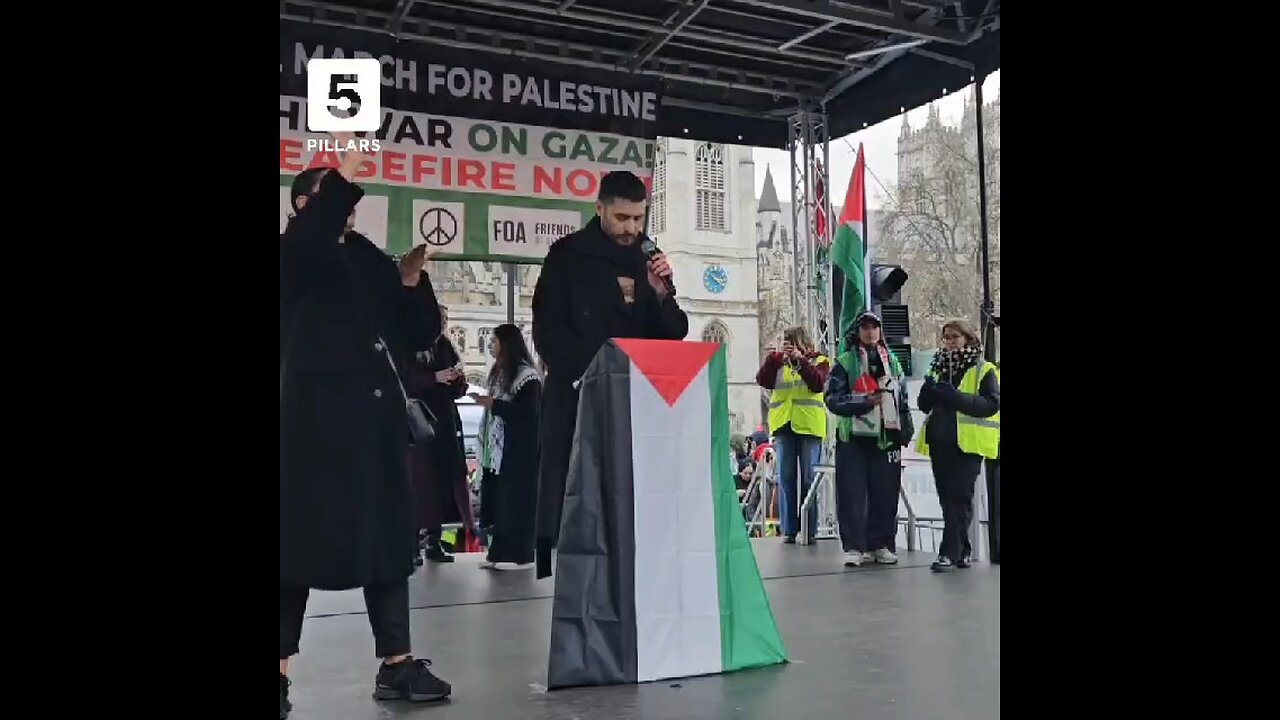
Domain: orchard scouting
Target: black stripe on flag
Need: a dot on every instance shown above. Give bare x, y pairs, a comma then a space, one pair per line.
593, 622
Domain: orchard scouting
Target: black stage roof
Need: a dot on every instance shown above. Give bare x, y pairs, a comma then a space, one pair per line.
733, 70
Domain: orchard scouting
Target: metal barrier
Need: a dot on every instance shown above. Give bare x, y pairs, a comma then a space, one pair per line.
934, 526
911, 519
822, 492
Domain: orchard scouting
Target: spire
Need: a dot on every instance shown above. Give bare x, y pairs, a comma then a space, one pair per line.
934, 118
906, 126
768, 196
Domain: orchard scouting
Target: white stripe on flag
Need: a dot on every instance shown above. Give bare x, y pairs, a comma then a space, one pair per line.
677, 596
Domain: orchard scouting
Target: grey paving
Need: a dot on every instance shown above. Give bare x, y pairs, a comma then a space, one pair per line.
873, 643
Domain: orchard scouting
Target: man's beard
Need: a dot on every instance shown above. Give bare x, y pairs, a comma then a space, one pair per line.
624, 240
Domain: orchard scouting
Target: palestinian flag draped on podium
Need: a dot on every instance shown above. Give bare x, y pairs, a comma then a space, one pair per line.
655, 576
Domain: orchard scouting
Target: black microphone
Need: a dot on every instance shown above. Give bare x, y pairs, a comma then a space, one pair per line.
651, 251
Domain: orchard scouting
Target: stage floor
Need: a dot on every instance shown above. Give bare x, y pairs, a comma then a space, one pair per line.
871, 643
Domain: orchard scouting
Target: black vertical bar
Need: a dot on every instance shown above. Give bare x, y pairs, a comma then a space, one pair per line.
511, 293
988, 329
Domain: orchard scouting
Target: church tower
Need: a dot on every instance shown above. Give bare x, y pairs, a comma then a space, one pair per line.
775, 256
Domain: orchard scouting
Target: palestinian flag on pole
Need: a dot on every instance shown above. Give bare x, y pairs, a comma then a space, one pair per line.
849, 249
655, 576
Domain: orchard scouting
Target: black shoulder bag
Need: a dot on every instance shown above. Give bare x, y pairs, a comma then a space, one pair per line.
419, 416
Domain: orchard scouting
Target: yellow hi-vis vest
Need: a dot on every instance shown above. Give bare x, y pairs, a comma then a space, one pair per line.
976, 436
792, 402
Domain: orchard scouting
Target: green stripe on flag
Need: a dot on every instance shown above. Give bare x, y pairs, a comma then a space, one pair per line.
748, 633
847, 254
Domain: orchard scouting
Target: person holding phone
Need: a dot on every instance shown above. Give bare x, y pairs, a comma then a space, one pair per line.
797, 421
346, 507
439, 470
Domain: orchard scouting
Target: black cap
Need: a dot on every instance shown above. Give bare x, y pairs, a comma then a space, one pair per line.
868, 315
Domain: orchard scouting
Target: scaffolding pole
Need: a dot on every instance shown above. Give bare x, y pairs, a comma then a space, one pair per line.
809, 146
810, 149
987, 314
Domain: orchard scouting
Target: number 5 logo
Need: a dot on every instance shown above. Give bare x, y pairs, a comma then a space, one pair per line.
344, 94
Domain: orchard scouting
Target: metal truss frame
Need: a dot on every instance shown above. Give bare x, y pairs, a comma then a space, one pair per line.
810, 149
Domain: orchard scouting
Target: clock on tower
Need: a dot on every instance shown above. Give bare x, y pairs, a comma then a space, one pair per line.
714, 279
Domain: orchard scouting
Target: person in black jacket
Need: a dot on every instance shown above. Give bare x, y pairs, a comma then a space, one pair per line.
866, 379
439, 470
595, 284
346, 507
955, 469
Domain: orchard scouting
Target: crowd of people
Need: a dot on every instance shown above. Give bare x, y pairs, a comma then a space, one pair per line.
366, 490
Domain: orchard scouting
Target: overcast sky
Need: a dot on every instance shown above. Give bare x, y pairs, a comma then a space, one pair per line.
880, 142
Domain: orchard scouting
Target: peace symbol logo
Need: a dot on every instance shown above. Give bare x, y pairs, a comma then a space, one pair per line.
438, 226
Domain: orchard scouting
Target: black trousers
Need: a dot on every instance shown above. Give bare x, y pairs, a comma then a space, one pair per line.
868, 481
955, 475
559, 422
388, 615
993, 509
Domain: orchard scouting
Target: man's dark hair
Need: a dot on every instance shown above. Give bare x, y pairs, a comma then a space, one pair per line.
304, 184
622, 185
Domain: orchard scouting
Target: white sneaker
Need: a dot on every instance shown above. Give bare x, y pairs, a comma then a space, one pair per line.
884, 556
853, 558
512, 566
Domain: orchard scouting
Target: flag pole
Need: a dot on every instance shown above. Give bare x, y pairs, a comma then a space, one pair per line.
866, 236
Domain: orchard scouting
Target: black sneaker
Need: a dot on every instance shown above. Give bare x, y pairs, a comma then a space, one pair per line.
789, 540
942, 564
409, 680
435, 553
285, 705
964, 563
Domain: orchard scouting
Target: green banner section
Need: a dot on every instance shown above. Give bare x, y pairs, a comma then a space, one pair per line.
464, 225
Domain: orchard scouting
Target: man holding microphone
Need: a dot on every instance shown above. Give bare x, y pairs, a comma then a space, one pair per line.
597, 283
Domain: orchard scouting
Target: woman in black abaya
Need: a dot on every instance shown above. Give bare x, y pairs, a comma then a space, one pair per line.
509, 451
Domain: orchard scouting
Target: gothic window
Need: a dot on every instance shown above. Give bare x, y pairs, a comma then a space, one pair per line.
458, 336
658, 196
483, 341
709, 184
716, 332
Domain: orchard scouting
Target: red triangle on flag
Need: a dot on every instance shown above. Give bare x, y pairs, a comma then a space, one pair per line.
853, 210
669, 365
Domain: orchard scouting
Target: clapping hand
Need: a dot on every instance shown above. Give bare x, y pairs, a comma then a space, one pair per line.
413, 262
483, 401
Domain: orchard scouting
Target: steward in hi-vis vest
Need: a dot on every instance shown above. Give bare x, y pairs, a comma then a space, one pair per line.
797, 421
961, 396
